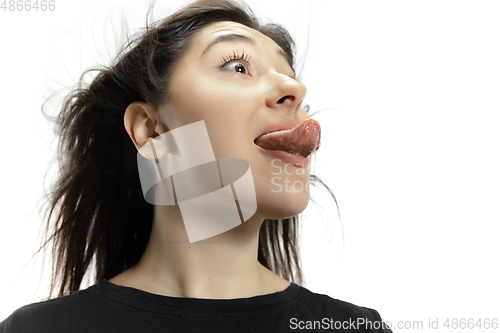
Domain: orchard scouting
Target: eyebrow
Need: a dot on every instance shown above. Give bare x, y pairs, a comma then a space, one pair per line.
230, 38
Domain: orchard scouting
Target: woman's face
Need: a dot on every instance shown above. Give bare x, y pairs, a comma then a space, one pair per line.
238, 81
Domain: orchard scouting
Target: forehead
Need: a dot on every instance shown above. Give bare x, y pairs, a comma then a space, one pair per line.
214, 30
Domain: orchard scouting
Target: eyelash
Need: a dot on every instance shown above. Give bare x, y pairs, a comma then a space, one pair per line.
245, 58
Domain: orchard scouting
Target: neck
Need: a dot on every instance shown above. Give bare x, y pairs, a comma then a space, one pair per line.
220, 267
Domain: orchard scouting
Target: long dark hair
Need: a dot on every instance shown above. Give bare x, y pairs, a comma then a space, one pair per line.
102, 221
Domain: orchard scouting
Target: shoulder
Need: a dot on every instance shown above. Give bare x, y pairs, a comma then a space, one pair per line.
330, 304
342, 312
54, 315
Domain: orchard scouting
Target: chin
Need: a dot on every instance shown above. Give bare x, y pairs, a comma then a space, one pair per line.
281, 205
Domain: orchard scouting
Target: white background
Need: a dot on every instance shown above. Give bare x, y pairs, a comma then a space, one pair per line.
410, 144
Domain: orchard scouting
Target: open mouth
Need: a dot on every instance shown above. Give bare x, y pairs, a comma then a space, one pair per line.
302, 140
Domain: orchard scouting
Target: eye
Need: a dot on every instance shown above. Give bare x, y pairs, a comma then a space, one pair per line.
236, 63
237, 67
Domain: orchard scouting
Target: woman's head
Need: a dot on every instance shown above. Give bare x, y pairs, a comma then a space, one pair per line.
239, 81
177, 75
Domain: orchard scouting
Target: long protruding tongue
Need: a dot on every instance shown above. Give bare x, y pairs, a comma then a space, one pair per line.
303, 139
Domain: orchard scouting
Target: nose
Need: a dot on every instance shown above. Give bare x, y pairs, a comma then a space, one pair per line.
287, 94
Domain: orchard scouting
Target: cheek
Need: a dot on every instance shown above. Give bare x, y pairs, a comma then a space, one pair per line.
206, 98
227, 112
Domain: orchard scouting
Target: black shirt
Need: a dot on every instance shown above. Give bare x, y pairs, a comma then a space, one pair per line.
106, 307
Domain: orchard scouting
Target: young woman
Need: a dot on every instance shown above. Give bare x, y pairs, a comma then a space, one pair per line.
214, 65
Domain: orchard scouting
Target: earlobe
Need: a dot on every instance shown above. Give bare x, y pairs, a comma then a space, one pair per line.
140, 123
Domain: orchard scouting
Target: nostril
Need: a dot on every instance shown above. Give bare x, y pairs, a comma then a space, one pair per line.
284, 98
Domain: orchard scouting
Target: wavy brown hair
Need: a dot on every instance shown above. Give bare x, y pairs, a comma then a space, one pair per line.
98, 220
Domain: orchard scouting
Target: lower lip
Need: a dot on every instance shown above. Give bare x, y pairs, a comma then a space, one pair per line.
297, 160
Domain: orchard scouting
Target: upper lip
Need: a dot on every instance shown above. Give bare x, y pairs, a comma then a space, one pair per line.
277, 126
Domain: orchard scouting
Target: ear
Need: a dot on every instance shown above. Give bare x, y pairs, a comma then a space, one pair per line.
140, 122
